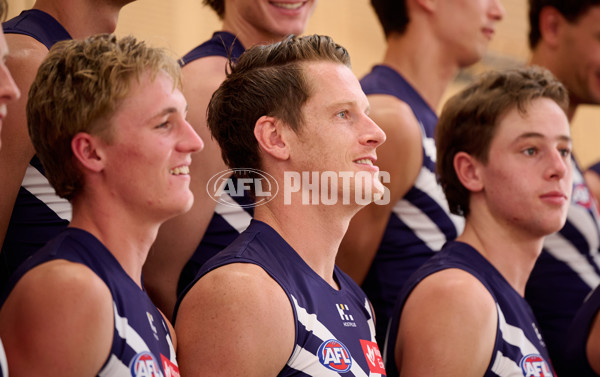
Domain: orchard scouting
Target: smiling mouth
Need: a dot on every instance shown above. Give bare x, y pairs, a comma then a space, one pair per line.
291, 6
365, 161
182, 170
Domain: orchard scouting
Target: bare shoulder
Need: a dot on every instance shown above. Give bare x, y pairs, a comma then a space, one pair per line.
452, 315
399, 160
402, 153
456, 291
25, 54
24, 59
58, 300
201, 78
390, 113
245, 320
204, 75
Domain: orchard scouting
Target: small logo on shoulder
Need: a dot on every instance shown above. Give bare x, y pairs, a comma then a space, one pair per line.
534, 365
334, 355
582, 196
144, 365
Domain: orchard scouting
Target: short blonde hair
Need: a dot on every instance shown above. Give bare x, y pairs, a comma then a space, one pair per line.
78, 87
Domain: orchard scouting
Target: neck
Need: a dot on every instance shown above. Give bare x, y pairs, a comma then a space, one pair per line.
82, 18
124, 235
313, 231
422, 64
512, 252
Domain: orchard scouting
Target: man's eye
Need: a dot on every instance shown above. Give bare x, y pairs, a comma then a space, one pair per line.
565, 152
343, 114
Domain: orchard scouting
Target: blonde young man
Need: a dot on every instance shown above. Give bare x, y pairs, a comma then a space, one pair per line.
107, 119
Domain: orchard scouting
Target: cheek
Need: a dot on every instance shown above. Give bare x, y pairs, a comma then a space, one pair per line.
142, 164
502, 184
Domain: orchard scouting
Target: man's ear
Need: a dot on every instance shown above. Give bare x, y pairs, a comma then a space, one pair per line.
271, 136
551, 22
86, 149
467, 171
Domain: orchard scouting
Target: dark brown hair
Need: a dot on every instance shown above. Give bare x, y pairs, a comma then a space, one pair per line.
469, 119
571, 11
217, 5
266, 80
392, 15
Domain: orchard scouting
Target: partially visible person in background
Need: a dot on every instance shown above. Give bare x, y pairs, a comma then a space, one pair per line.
8, 92
504, 162
186, 242
107, 119
564, 38
427, 44
30, 211
592, 180
582, 350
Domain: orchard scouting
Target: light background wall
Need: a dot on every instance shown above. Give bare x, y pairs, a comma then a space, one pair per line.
180, 25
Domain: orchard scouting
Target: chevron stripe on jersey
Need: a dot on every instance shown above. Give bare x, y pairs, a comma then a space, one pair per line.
141, 339
330, 323
233, 213
519, 349
505, 366
116, 366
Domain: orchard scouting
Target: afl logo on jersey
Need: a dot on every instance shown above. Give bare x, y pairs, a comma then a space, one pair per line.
335, 356
582, 196
535, 366
144, 365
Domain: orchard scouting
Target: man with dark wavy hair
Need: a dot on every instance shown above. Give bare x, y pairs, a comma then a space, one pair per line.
504, 162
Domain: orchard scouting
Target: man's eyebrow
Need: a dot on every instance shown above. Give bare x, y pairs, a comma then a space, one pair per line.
530, 135
168, 110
